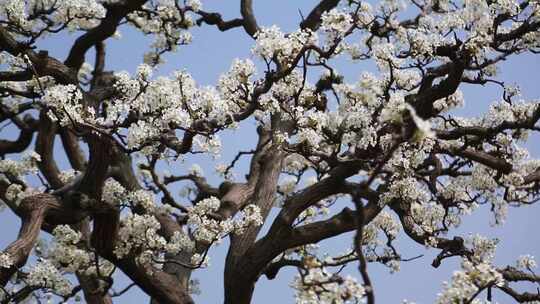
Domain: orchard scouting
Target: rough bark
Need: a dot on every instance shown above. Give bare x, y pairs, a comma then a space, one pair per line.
33, 211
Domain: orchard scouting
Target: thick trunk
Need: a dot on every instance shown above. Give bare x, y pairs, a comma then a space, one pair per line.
161, 286
93, 293
239, 280
183, 274
238, 291
94, 289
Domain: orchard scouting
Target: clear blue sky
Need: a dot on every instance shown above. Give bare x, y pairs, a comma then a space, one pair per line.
211, 54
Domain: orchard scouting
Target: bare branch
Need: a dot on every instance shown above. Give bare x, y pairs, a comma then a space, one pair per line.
250, 23
216, 19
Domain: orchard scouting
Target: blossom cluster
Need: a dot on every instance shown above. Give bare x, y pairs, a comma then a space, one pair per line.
64, 102
322, 286
5, 260
139, 235
27, 165
10, 168
138, 232
67, 251
376, 249
74, 14
208, 227
45, 275
177, 102
273, 43
466, 282
526, 262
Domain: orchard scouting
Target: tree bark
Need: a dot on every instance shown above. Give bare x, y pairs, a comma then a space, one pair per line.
33, 211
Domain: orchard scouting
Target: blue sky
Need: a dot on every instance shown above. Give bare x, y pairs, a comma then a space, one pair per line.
211, 54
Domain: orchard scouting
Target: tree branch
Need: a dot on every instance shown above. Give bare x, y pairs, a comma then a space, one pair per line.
313, 20
45, 149
33, 211
216, 19
107, 27
250, 23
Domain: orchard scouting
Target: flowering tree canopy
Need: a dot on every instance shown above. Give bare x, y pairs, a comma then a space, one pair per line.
375, 156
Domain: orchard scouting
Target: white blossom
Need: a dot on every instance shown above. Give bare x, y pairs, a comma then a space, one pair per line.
194, 4
5, 260
46, 275
526, 262
320, 286
138, 231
